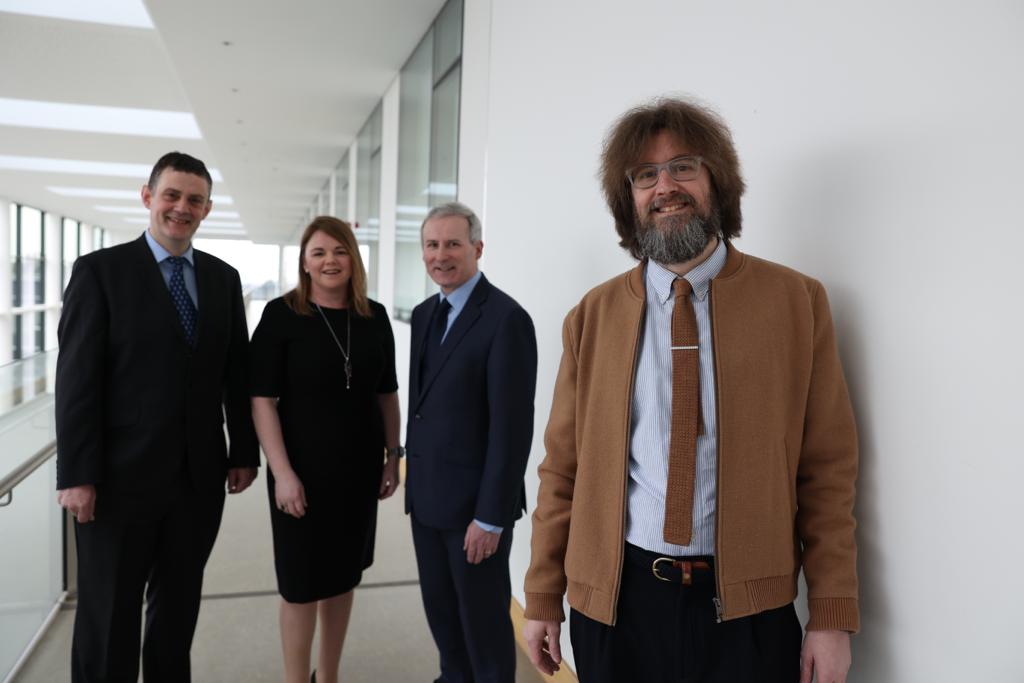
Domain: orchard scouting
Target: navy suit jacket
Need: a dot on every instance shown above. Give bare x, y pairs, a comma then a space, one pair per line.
471, 419
136, 406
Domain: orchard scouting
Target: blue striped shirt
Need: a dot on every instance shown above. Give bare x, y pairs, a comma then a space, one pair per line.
652, 415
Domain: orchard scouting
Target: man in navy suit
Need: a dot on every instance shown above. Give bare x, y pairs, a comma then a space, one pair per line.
153, 356
472, 376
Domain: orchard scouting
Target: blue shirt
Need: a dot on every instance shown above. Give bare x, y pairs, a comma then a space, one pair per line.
188, 272
651, 425
458, 299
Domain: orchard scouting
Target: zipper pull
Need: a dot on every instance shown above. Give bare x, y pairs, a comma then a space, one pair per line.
718, 609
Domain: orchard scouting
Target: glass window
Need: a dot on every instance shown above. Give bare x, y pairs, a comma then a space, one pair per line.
69, 248
31, 253
341, 189
15, 289
428, 147
448, 26
415, 103
368, 196
444, 136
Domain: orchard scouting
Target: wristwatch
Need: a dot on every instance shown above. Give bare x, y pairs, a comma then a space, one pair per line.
396, 452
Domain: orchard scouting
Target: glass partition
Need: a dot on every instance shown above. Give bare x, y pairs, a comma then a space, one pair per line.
367, 225
31, 537
341, 189
428, 147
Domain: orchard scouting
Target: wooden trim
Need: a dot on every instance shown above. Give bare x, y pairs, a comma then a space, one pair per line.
564, 673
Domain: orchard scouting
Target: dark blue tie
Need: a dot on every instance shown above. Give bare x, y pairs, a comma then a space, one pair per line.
182, 300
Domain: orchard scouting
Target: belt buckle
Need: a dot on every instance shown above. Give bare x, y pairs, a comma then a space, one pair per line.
685, 566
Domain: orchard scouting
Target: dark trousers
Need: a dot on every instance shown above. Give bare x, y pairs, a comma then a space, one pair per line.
667, 632
159, 552
467, 606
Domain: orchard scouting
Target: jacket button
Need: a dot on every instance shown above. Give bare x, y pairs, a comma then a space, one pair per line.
418, 416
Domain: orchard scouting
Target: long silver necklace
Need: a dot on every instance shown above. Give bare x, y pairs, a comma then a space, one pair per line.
348, 343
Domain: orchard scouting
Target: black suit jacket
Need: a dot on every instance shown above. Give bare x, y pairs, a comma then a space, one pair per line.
139, 410
471, 419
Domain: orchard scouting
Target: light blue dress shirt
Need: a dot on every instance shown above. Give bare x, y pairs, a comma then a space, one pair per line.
188, 272
651, 426
457, 299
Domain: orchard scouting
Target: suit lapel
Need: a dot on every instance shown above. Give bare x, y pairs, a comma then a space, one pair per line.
420, 331
471, 312
204, 298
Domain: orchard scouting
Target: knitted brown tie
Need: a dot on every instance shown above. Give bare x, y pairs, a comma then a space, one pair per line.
682, 452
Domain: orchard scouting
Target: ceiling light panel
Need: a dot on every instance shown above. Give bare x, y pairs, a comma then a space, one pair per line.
78, 167
117, 12
103, 193
99, 119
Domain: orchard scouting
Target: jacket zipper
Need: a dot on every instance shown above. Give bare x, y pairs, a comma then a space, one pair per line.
717, 600
625, 465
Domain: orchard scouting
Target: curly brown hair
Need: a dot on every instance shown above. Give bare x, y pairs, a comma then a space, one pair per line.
701, 129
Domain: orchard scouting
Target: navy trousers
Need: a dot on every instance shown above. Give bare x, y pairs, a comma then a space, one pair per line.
158, 551
467, 606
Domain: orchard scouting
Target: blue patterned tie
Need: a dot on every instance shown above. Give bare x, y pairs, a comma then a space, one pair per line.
182, 301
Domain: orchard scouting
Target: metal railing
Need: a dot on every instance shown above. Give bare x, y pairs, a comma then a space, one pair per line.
22, 471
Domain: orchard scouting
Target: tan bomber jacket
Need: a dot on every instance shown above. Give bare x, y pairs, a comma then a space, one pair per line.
787, 451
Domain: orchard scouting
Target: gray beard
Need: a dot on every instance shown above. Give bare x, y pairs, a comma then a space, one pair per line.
678, 239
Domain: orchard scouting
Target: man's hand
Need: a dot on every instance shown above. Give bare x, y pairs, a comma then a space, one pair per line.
825, 656
479, 544
290, 495
389, 479
239, 478
79, 501
537, 635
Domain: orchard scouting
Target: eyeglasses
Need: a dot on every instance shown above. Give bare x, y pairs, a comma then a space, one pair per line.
645, 176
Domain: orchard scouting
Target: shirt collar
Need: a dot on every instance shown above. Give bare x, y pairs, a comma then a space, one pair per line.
460, 296
161, 254
660, 278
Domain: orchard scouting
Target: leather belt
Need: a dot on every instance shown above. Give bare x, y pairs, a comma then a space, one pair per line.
677, 570
684, 569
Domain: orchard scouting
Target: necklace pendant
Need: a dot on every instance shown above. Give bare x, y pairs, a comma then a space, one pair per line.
348, 374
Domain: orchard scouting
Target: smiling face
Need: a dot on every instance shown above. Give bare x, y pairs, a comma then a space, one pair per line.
450, 257
677, 219
177, 205
329, 266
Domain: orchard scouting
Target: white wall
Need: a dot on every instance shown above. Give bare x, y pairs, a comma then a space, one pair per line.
882, 147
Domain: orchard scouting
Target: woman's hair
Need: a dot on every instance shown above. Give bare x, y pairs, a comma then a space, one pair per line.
298, 298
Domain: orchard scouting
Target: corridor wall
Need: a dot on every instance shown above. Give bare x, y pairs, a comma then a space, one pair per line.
881, 144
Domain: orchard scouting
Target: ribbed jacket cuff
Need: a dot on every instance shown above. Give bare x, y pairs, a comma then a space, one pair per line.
544, 607
833, 614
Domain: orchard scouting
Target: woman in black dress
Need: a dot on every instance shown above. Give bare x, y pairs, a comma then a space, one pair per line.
325, 404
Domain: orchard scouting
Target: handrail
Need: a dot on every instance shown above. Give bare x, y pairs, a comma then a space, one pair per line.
22, 471
15, 361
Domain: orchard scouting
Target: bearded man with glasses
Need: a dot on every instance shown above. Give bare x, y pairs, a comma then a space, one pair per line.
701, 448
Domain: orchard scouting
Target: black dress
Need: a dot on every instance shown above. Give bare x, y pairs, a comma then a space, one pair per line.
334, 438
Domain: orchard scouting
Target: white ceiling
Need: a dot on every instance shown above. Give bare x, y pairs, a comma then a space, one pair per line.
279, 90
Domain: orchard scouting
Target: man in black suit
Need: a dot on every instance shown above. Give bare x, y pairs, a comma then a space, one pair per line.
153, 346
472, 375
